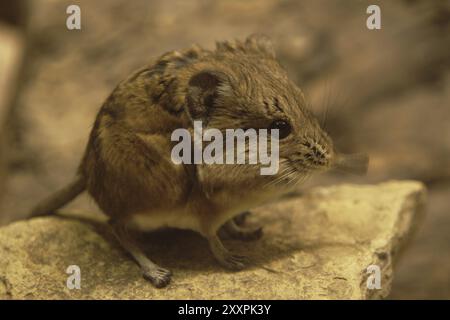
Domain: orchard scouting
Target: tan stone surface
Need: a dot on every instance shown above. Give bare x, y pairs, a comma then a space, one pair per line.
314, 247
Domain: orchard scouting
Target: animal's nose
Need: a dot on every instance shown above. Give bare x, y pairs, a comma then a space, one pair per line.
317, 155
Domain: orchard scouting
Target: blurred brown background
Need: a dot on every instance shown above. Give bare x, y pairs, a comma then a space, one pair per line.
386, 92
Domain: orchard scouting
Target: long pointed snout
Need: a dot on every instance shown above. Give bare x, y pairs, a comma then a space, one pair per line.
356, 163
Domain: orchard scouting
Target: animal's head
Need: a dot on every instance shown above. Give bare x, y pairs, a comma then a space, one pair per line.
244, 87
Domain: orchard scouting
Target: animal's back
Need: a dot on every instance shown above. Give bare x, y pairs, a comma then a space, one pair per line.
129, 148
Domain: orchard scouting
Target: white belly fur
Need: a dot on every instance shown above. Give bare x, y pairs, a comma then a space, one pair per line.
176, 218
182, 218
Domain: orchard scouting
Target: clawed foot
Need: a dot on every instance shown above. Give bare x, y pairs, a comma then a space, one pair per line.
226, 258
233, 261
159, 277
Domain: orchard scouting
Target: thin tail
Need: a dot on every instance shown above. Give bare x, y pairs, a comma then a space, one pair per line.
60, 198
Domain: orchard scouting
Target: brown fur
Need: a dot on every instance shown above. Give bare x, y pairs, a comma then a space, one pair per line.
127, 166
127, 163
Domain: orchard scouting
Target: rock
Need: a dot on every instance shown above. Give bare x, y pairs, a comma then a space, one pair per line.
423, 272
314, 247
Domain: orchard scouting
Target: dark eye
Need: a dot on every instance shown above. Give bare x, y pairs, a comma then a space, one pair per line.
283, 126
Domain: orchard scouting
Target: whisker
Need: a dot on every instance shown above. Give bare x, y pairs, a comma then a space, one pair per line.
327, 106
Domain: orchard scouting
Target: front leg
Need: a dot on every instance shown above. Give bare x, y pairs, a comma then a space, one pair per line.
226, 258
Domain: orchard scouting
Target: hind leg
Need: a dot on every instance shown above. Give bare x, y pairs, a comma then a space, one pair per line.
158, 276
235, 228
235, 231
241, 218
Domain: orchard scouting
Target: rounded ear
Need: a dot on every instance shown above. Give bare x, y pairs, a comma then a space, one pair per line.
203, 90
261, 43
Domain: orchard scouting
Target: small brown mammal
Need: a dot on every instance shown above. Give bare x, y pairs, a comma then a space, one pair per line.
127, 166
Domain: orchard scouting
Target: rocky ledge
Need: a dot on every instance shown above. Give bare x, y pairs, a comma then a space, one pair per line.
326, 244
